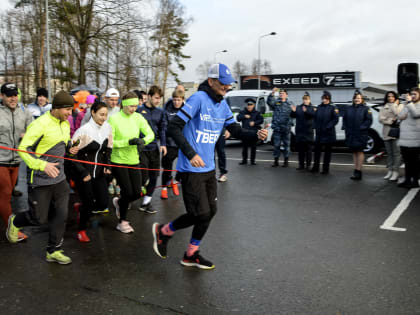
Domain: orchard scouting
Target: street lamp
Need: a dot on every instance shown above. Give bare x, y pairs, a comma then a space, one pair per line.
218, 52
259, 56
48, 50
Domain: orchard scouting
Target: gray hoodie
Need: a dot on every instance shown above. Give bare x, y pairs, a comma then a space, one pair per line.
410, 126
13, 125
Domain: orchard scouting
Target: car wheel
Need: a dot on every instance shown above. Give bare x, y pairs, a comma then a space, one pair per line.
374, 143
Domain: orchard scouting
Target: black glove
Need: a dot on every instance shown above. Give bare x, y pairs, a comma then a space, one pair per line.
135, 141
140, 146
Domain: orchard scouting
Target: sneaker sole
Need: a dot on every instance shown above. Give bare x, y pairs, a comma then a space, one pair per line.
117, 211
187, 264
58, 262
155, 247
125, 232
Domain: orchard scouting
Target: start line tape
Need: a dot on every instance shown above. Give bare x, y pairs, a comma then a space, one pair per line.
87, 162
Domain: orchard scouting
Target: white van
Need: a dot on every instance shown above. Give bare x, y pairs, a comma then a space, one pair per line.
236, 101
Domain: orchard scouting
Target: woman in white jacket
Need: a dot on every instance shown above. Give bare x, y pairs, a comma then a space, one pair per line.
410, 139
387, 116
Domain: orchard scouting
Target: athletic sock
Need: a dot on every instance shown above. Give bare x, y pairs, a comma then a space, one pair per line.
146, 200
168, 229
193, 247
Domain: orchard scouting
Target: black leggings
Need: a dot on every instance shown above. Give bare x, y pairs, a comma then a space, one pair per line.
167, 162
411, 160
150, 160
94, 196
304, 153
199, 191
129, 181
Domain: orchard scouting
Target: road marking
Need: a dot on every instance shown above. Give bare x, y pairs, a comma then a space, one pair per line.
336, 164
398, 211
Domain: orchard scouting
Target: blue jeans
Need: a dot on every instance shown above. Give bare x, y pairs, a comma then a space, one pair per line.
281, 138
221, 155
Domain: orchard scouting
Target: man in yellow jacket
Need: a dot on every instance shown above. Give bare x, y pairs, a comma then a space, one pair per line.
48, 188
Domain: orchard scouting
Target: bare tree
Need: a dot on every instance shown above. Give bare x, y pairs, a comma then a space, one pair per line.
203, 69
239, 68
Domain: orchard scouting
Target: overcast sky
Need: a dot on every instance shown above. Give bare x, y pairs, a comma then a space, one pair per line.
371, 36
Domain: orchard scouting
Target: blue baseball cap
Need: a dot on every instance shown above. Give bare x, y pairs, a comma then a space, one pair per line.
222, 73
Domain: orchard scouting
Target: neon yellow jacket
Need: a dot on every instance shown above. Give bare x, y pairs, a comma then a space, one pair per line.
48, 135
124, 128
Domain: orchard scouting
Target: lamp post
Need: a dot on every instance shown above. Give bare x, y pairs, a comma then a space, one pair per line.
48, 50
259, 56
218, 52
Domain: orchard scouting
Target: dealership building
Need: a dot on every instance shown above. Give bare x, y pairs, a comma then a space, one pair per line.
341, 85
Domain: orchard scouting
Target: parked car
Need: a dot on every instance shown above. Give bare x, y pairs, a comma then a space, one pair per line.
375, 141
236, 101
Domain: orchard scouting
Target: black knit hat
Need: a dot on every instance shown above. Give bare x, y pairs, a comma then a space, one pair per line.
62, 100
42, 92
326, 94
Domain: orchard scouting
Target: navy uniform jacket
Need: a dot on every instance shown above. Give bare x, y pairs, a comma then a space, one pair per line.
356, 122
158, 121
256, 117
325, 119
304, 130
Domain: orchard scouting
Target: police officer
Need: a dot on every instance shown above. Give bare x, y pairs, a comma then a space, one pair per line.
325, 119
251, 119
281, 124
304, 133
356, 121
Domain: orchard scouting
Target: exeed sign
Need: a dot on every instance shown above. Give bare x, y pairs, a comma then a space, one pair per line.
303, 81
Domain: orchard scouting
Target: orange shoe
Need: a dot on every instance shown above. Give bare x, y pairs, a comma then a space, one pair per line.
164, 194
22, 236
175, 188
82, 236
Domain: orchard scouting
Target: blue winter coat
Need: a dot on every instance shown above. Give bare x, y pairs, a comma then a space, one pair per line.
325, 119
158, 121
256, 117
281, 116
304, 130
356, 122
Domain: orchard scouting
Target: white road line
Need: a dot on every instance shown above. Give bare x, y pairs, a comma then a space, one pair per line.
398, 211
336, 164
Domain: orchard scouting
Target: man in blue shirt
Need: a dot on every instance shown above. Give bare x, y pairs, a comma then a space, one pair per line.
195, 130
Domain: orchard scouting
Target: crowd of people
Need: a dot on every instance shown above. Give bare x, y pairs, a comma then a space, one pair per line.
120, 142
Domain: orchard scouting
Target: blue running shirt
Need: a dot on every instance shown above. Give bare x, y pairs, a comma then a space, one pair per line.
205, 120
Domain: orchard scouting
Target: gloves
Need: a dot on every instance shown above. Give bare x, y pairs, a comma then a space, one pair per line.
135, 141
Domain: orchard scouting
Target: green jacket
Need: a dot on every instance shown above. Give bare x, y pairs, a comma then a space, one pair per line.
124, 128
48, 135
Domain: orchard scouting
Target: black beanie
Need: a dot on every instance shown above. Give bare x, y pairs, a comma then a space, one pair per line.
62, 100
326, 94
42, 92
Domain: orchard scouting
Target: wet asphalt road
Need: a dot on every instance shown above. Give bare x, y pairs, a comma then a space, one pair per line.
283, 242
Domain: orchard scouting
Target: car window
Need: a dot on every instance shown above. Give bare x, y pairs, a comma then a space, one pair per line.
236, 103
261, 103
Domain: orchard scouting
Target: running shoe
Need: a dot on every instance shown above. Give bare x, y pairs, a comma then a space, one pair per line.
111, 189
125, 227
160, 241
82, 236
22, 236
117, 207
12, 231
104, 211
197, 260
222, 178
148, 208
58, 257
164, 193
175, 188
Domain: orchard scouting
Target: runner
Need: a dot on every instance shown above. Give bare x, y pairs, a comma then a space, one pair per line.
13, 124
171, 110
95, 139
195, 130
150, 156
126, 127
48, 191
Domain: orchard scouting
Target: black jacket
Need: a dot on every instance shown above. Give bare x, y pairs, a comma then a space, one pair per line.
304, 131
256, 117
356, 122
170, 112
325, 119
158, 121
